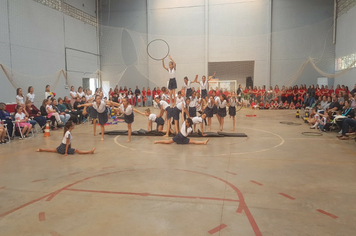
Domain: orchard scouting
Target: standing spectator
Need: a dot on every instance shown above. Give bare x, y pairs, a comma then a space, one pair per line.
48, 93
73, 95
30, 96
149, 97
6, 117
80, 92
137, 94
144, 97
19, 97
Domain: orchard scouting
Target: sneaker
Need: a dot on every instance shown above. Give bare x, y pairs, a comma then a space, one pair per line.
312, 127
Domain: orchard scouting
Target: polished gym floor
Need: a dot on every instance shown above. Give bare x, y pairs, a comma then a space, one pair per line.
276, 181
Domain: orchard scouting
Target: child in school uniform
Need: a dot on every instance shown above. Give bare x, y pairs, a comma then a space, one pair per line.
182, 136
65, 147
209, 110
221, 104
153, 118
199, 120
172, 83
165, 109
232, 109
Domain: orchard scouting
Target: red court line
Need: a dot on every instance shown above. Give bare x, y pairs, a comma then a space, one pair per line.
287, 196
252, 181
42, 216
327, 213
38, 180
217, 229
24, 205
230, 173
3, 187
108, 167
152, 195
75, 173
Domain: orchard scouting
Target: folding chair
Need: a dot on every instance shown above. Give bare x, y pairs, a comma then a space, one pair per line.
19, 129
7, 131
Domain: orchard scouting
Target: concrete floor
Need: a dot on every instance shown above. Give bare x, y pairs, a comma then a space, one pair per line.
275, 182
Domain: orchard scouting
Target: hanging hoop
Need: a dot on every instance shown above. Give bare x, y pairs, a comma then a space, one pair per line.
156, 58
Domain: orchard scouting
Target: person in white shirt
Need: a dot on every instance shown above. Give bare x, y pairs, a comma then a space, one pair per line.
80, 92
19, 97
179, 98
73, 95
153, 118
181, 107
232, 109
199, 120
182, 136
165, 108
22, 120
193, 105
221, 103
204, 85
98, 109
48, 93
187, 86
88, 96
30, 96
126, 109
172, 84
65, 147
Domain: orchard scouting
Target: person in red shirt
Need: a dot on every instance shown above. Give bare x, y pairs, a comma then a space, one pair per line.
126, 91
263, 93
149, 97
211, 91
267, 105
154, 93
253, 104
217, 93
337, 90
331, 91
292, 106
144, 98
227, 94
158, 91
277, 93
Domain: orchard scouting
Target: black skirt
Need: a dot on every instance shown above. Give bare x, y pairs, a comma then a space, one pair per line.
180, 139
189, 93
103, 117
129, 119
232, 111
172, 84
192, 112
222, 112
176, 113
209, 112
215, 109
159, 121
92, 112
204, 93
61, 149
169, 112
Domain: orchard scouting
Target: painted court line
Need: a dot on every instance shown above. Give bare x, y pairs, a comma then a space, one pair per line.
202, 167
75, 173
287, 196
252, 181
38, 180
327, 213
217, 229
152, 195
42, 216
230, 173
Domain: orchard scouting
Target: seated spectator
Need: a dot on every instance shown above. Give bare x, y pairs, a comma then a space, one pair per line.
69, 107
51, 112
254, 104
3, 133
62, 115
6, 118
292, 106
285, 105
346, 125
353, 92
45, 114
298, 106
63, 109
22, 121
334, 105
267, 105
33, 112
324, 105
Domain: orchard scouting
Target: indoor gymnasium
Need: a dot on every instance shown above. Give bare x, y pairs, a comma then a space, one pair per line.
177, 117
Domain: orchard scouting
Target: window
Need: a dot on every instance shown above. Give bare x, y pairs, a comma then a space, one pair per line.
342, 63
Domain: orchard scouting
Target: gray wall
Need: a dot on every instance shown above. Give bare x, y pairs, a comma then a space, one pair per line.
119, 55
32, 41
346, 44
237, 31
301, 29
